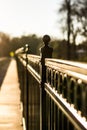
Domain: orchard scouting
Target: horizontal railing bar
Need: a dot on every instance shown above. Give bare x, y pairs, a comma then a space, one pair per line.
69, 65
22, 61
69, 68
34, 73
33, 58
31, 70
70, 112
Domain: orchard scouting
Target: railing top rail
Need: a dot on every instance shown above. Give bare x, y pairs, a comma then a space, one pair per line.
57, 63
33, 58
75, 69
68, 63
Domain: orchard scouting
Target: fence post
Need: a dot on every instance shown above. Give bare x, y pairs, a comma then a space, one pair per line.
27, 90
46, 52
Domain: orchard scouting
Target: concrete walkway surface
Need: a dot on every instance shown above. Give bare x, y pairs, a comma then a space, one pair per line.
10, 103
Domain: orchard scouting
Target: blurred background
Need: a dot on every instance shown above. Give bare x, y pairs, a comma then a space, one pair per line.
26, 21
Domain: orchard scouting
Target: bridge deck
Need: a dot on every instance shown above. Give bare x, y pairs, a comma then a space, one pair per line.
10, 103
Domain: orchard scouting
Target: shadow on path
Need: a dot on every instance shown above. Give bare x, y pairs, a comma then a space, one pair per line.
4, 63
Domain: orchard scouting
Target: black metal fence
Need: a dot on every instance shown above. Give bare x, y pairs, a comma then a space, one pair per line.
59, 102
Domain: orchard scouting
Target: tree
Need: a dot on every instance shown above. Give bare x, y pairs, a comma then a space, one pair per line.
73, 10
66, 8
82, 16
4, 44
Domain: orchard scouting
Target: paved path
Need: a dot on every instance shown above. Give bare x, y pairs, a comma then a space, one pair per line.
10, 104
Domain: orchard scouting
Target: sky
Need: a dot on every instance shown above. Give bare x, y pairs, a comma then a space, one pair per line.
22, 17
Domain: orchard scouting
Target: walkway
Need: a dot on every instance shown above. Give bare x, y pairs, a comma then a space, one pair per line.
10, 104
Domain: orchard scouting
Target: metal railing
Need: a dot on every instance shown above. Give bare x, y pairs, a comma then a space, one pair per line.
60, 101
